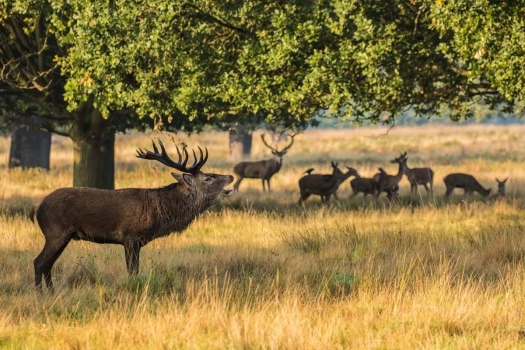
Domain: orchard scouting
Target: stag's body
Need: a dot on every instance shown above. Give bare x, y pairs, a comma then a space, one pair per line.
362, 184
262, 169
466, 182
323, 185
131, 217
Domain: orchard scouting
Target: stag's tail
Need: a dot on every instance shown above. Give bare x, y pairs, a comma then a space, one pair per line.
32, 213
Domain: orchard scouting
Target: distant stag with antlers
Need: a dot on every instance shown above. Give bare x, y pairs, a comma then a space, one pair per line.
262, 169
419, 176
466, 182
323, 185
131, 217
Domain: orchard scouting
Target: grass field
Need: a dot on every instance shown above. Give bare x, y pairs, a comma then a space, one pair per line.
258, 271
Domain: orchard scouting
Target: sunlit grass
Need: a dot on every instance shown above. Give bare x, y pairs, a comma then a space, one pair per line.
258, 271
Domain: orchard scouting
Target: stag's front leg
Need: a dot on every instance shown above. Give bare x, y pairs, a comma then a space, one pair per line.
132, 251
268, 181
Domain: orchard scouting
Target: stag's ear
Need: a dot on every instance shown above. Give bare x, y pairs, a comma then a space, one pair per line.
177, 176
189, 179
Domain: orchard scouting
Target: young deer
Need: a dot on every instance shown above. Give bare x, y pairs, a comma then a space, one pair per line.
262, 169
362, 184
322, 184
419, 176
501, 189
132, 217
389, 183
466, 182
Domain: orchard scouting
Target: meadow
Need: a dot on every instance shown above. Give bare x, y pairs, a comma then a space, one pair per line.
260, 272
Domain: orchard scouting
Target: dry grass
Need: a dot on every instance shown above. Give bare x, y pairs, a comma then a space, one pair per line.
260, 272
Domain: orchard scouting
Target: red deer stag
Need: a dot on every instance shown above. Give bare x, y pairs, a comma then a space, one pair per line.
323, 185
466, 182
389, 183
419, 176
262, 169
131, 217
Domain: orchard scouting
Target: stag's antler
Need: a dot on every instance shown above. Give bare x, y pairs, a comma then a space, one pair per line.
267, 145
291, 142
275, 149
166, 160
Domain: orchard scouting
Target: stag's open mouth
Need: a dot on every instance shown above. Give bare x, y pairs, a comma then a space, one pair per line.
227, 193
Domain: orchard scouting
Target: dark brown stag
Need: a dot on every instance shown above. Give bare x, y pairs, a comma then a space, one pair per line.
324, 185
362, 184
263, 169
131, 217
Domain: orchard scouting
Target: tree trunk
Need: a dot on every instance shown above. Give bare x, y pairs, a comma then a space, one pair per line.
240, 142
94, 151
29, 148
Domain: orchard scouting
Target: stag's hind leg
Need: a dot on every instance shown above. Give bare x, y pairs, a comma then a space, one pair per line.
44, 262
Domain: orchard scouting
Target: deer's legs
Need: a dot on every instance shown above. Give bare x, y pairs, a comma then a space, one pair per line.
268, 181
264, 185
304, 196
427, 189
132, 251
237, 183
46, 259
449, 191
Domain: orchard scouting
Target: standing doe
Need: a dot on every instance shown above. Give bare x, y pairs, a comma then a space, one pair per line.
131, 217
390, 183
466, 182
262, 169
419, 176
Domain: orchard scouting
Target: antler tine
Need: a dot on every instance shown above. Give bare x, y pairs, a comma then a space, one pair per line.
291, 143
267, 145
202, 160
163, 158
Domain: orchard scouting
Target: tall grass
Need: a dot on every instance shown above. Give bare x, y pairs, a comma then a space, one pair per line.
258, 271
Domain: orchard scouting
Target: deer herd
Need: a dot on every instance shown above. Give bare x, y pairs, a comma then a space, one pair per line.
326, 185
133, 217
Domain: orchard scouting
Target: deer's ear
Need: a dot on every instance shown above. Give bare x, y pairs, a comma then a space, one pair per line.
189, 179
177, 176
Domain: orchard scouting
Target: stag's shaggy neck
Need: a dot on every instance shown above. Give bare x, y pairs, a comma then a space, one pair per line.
173, 208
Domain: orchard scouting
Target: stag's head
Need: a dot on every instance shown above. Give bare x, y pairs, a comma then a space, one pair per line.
206, 186
275, 151
501, 186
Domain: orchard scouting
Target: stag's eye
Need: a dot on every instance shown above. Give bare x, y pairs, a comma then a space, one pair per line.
208, 179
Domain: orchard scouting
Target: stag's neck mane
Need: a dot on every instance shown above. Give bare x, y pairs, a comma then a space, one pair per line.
175, 207
400, 172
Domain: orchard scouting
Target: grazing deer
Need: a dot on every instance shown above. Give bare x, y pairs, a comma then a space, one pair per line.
419, 176
466, 182
262, 169
131, 217
362, 184
322, 184
389, 183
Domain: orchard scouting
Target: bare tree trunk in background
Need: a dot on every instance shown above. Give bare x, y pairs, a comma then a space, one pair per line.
240, 142
29, 148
